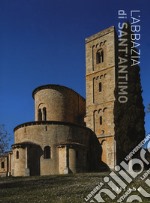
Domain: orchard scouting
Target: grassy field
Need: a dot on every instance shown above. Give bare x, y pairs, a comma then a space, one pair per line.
54, 189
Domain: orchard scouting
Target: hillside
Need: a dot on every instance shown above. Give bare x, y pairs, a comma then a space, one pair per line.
53, 189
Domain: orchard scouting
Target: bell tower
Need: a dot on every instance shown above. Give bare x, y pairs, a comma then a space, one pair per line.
100, 86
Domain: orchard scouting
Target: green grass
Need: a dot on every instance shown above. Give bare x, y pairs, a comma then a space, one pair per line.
54, 189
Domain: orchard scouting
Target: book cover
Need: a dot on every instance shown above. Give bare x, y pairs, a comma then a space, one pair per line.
74, 84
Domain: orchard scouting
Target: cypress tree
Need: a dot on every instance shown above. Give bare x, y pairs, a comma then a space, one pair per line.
129, 116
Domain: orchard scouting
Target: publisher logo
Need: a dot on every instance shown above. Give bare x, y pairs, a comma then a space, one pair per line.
117, 185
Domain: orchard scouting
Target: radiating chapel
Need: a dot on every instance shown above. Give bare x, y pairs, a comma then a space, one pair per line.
71, 134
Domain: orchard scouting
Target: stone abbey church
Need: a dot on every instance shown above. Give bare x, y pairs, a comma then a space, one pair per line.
71, 134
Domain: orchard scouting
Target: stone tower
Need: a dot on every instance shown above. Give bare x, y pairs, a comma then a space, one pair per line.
100, 86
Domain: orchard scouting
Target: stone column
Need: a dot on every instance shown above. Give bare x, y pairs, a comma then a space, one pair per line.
66, 170
72, 160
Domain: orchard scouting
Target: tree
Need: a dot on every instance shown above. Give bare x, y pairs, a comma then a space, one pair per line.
129, 116
4, 139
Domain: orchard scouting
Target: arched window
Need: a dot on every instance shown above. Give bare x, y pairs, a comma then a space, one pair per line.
99, 56
17, 154
39, 115
44, 114
100, 87
100, 120
47, 152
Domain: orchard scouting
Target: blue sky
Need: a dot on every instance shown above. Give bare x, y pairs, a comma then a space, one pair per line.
43, 42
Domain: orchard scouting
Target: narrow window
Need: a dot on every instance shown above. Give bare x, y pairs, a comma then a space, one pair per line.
47, 152
2, 164
44, 114
100, 120
39, 115
100, 87
17, 154
99, 56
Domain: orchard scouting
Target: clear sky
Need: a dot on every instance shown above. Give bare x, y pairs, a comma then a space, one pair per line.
43, 42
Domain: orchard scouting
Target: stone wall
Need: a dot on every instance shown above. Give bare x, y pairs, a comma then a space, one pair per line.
57, 135
20, 161
3, 165
100, 86
61, 103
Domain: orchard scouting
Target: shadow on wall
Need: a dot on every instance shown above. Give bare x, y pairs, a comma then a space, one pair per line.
34, 154
94, 156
